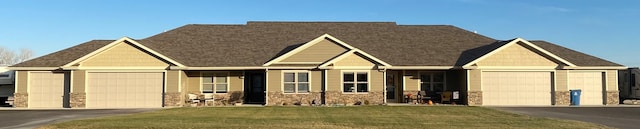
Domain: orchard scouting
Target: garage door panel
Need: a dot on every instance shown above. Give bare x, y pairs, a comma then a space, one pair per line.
516, 88
591, 85
125, 90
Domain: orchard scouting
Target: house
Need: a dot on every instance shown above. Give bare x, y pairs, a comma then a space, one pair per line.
279, 63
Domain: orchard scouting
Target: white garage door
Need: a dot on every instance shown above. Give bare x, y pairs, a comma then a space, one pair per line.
46, 90
591, 85
516, 88
124, 90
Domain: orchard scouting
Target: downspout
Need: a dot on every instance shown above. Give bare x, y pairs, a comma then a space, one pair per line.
266, 86
384, 88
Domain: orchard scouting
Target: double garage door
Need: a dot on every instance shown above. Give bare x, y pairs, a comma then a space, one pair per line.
103, 90
536, 88
124, 90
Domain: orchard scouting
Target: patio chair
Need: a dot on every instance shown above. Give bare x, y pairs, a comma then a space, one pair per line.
422, 96
209, 98
445, 96
193, 99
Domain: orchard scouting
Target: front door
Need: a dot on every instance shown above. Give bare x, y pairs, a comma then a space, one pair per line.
254, 89
391, 87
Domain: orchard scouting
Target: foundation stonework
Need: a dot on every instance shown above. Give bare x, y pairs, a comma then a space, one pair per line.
21, 100
474, 98
278, 98
613, 98
172, 99
562, 98
339, 98
78, 100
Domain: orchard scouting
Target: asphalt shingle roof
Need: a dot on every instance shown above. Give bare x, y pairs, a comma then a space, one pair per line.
65, 56
253, 44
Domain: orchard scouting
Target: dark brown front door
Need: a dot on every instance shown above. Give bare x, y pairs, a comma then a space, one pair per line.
254, 88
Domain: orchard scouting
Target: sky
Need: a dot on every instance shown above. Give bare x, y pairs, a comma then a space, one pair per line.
605, 29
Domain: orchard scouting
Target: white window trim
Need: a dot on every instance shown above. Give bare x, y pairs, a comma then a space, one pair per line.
444, 79
355, 81
295, 80
214, 81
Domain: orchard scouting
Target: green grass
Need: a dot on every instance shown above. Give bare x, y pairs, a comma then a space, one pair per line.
325, 117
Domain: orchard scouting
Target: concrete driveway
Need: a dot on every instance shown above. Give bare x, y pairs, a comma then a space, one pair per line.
27, 118
618, 116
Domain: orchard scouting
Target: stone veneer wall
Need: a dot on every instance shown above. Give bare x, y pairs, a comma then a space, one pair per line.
78, 100
563, 98
613, 98
172, 99
337, 97
474, 98
278, 98
21, 100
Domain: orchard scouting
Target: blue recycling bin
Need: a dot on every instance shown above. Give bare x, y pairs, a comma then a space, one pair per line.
575, 97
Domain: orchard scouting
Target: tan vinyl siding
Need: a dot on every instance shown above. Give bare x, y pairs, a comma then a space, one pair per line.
319, 52
184, 79
194, 82
475, 80
516, 55
376, 82
79, 81
23, 79
612, 80
411, 81
354, 60
172, 80
333, 80
562, 82
235, 82
316, 81
124, 55
274, 82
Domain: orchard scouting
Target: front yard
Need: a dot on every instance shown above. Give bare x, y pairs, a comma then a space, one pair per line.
325, 117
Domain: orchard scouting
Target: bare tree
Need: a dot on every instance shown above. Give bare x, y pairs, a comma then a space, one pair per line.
25, 54
9, 57
6, 56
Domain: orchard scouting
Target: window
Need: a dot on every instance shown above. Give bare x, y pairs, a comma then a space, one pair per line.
432, 81
214, 82
355, 82
4, 75
296, 82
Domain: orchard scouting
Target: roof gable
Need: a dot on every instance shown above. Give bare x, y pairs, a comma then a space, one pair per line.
519, 52
337, 47
123, 54
314, 52
116, 44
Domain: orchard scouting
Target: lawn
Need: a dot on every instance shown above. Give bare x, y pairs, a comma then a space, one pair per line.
325, 117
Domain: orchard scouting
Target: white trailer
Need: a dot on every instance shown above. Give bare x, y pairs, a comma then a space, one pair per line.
629, 84
6, 86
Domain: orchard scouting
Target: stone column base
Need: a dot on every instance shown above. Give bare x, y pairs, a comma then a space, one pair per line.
613, 98
21, 100
474, 98
172, 99
78, 100
562, 97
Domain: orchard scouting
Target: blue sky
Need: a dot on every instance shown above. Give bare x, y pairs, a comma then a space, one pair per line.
606, 29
